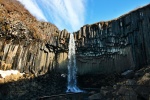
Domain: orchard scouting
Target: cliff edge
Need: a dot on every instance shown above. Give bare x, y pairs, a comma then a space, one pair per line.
29, 45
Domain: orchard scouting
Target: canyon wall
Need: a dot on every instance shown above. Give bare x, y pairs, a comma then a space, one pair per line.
28, 45
115, 45
35, 57
36, 47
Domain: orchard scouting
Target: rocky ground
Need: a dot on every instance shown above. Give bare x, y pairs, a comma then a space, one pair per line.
134, 85
31, 88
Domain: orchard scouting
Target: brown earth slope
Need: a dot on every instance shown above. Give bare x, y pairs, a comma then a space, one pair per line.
13, 16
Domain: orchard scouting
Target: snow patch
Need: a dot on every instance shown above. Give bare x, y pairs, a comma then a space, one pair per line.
3, 73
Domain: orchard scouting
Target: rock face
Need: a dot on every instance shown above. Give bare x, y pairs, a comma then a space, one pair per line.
115, 45
28, 45
35, 47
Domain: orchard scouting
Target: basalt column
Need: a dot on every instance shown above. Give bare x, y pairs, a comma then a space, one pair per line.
115, 45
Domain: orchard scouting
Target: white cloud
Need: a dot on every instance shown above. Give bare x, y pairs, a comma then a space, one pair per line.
67, 14
33, 8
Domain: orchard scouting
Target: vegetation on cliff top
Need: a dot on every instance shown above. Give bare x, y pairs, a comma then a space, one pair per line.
12, 13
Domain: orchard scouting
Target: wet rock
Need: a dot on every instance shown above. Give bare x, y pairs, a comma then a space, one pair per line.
92, 92
128, 74
97, 96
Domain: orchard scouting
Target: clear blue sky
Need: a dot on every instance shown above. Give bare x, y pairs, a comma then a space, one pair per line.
72, 14
102, 10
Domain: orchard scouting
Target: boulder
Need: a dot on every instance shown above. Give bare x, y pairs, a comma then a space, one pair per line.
106, 91
122, 90
145, 79
97, 96
128, 74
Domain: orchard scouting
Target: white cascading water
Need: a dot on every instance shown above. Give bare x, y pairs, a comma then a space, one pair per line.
72, 69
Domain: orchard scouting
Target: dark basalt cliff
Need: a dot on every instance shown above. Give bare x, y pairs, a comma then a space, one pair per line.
35, 47
115, 45
27, 44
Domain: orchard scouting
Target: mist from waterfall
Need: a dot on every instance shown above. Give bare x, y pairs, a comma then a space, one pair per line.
72, 69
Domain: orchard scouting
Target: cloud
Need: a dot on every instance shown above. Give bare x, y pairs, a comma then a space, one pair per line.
65, 14
33, 8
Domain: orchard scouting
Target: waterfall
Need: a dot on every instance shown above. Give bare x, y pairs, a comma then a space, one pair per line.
72, 69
